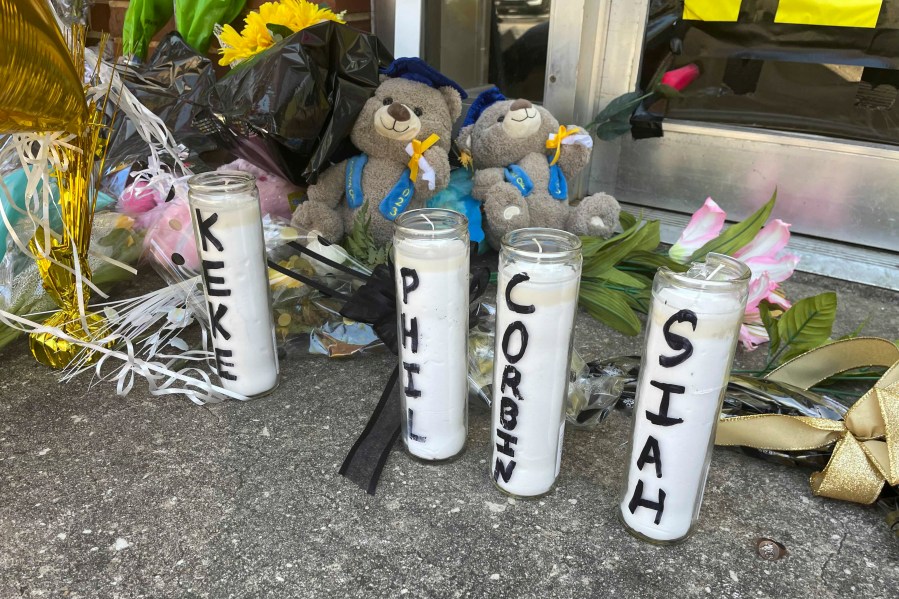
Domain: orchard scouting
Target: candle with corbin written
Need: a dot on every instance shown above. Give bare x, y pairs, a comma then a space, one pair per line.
692, 331
537, 294
431, 262
227, 222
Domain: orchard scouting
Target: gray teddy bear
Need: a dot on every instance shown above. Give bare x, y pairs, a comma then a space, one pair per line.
404, 132
522, 161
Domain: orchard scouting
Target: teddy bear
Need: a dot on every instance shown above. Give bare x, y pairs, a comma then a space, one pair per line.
404, 133
522, 162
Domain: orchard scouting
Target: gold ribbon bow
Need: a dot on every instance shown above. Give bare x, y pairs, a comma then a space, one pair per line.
556, 142
418, 149
867, 440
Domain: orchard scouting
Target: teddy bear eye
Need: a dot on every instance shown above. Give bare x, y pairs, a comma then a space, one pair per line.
388, 101
418, 111
501, 119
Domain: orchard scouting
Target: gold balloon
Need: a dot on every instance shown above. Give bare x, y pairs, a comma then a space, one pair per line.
40, 88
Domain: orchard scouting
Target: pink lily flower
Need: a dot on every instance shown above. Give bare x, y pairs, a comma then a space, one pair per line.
752, 331
765, 256
771, 239
705, 225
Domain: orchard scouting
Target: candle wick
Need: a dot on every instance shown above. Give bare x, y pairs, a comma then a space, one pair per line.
425, 216
539, 247
714, 272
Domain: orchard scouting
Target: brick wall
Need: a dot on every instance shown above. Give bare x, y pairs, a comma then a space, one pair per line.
109, 16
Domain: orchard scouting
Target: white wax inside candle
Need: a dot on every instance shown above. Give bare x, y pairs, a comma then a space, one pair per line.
683, 447
439, 306
237, 294
538, 425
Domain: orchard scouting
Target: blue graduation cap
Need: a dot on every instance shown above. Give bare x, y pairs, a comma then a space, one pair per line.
415, 69
485, 100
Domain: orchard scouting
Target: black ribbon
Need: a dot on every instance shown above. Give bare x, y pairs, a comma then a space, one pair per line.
374, 303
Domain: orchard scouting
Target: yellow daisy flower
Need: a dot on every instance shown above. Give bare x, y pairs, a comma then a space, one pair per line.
255, 35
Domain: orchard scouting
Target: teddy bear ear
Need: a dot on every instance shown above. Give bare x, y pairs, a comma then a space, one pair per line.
453, 101
382, 78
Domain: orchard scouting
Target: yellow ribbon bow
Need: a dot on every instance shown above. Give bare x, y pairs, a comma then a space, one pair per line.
418, 149
556, 142
867, 440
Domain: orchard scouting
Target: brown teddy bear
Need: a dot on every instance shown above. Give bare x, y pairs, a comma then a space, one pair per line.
404, 132
522, 162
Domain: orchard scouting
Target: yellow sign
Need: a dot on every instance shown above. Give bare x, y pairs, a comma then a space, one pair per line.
712, 10
833, 13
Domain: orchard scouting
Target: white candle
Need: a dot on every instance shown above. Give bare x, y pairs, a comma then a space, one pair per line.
537, 293
228, 228
431, 262
690, 341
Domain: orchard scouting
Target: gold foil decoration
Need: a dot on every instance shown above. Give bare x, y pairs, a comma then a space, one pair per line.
866, 453
41, 88
63, 266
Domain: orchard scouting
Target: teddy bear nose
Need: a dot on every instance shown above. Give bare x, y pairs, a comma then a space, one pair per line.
520, 104
398, 112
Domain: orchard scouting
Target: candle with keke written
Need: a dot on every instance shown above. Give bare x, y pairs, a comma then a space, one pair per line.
227, 222
430, 256
692, 331
537, 294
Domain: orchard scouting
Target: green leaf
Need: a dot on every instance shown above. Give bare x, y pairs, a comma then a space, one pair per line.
667, 91
590, 246
641, 237
858, 330
770, 324
279, 32
361, 245
612, 130
738, 235
651, 261
625, 103
805, 326
623, 279
609, 307
627, 219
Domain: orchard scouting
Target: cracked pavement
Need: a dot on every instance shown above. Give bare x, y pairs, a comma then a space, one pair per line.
103, 496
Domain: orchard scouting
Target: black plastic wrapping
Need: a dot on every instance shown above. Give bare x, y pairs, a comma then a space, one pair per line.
834, 81
173, 84
290, 109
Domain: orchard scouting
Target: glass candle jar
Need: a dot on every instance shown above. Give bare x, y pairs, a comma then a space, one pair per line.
536, 300
430, 257
227, 222
692, 331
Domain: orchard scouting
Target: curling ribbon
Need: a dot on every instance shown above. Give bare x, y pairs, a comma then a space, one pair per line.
416, 150
866, 453
556, 140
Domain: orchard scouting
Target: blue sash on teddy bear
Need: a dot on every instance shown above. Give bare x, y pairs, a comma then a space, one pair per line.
396, 200
558, 185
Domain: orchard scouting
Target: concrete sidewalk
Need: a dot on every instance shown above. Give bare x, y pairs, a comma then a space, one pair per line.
103, 496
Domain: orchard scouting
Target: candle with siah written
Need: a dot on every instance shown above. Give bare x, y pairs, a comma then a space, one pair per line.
537, 293
690, 340
431, 261
228, 227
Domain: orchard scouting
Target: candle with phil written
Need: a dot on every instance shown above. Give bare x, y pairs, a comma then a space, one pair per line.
537, 295
431, 262
692, 332
227, 222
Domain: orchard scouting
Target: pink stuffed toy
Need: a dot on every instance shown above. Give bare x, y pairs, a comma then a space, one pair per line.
277, 196
159, 205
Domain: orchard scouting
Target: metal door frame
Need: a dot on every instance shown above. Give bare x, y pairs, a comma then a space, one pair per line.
594, 56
